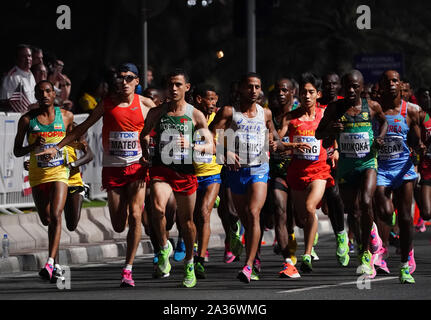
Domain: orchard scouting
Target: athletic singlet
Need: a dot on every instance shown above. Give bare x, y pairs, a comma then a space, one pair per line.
168, 131
41, 171
395, 150
355, 143
277, 162
120, 133
304, 132
250, 137
205, 164
425, 164
75, 179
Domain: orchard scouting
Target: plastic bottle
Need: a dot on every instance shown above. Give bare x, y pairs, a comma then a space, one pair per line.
5, 247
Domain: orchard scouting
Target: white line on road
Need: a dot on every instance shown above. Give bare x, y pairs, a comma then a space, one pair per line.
333, 285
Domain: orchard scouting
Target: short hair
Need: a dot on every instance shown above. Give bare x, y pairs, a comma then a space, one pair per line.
43, 81
244, 77
355, 73
202, 89
291, 84
20, 47
178, 72
311, 78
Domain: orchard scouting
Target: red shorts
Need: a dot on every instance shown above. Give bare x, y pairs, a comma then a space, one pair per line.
425, 169
299, 177
179, 182
117, 177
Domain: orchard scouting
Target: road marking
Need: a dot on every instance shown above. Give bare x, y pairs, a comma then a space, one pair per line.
333, 285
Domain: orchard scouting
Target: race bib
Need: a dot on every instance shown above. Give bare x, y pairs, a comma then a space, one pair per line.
58, 159
169, 147
124, 144
309, 154
392, 148
354, 145
250, 145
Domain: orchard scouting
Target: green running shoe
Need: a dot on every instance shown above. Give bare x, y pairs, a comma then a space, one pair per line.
306, 263
189, 276
235, 240
343, 249
216, 202
314, 255
200, 271
316, 239
405, 276
163, 265
254, 275
366, 265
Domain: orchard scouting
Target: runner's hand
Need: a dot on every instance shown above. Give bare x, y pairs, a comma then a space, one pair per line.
336, 127
378, 142
302, 146
47, 154
232, 161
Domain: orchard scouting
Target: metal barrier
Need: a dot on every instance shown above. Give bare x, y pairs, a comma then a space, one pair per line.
12, 169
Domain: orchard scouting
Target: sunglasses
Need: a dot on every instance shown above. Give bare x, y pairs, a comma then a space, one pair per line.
128, 78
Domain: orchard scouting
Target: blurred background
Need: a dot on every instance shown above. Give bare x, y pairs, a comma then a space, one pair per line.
209, 38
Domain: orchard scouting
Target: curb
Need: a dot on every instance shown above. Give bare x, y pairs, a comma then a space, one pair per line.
88, 251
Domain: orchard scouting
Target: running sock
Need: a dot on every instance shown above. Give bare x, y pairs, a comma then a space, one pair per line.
128, 267
50, 261
165, 246
188, 261
288, 260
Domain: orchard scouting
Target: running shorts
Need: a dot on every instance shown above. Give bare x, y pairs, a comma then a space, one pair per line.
239, 181
395, 178
117, 177
205, 181
184, 183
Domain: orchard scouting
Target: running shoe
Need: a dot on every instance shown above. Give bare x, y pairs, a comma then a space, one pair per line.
306, 263
207, 256
392, 220
254, 275
189, 276
289, 271
314, 255
405, 276
180, 251
200, 271
411, 261
46, 272
316, 239
343, 249
366, 260
228, 255
235, 240
257, 263
420, 226
292, 245
156, 258
126, 279
379, 262
163, 265
394, 240
376, 241
57, 274
245, 274
216, 202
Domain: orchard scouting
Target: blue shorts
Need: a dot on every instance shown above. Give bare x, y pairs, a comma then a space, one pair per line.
239, 181
395, 178
205, 181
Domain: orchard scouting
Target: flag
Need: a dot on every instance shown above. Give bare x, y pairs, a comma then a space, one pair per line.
26, 189
19, 101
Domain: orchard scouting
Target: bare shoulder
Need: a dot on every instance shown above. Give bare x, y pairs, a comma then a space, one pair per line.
67, 115
268, 113
146, 102
226, 111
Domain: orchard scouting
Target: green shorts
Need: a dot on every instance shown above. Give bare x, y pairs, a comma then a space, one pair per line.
349, 170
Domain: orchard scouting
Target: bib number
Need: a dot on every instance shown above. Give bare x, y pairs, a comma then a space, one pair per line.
354, 145
309, 154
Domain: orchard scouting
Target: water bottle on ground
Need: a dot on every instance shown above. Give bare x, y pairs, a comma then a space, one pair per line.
5, 247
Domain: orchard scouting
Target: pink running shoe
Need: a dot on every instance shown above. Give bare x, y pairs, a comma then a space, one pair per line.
376, 241
207, 256
228, 255
384, 266
412, 262
245, 274
126, 279
420, 226
257, 264
46, 272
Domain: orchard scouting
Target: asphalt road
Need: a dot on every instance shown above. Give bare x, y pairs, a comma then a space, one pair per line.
328, 282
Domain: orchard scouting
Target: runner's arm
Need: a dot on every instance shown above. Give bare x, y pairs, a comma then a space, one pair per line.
18, 149
415, 131
202, 126
378, 114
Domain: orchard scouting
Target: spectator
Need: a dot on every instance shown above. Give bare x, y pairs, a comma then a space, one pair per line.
19, 82
95, 89
154, 94
40, 72
37, 55
62, 85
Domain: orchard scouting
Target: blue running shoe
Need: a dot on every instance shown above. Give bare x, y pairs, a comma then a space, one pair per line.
180, 251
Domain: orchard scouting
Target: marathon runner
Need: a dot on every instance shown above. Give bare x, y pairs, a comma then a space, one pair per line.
123, 176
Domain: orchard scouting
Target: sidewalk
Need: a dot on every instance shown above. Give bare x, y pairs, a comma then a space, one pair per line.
94, 240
